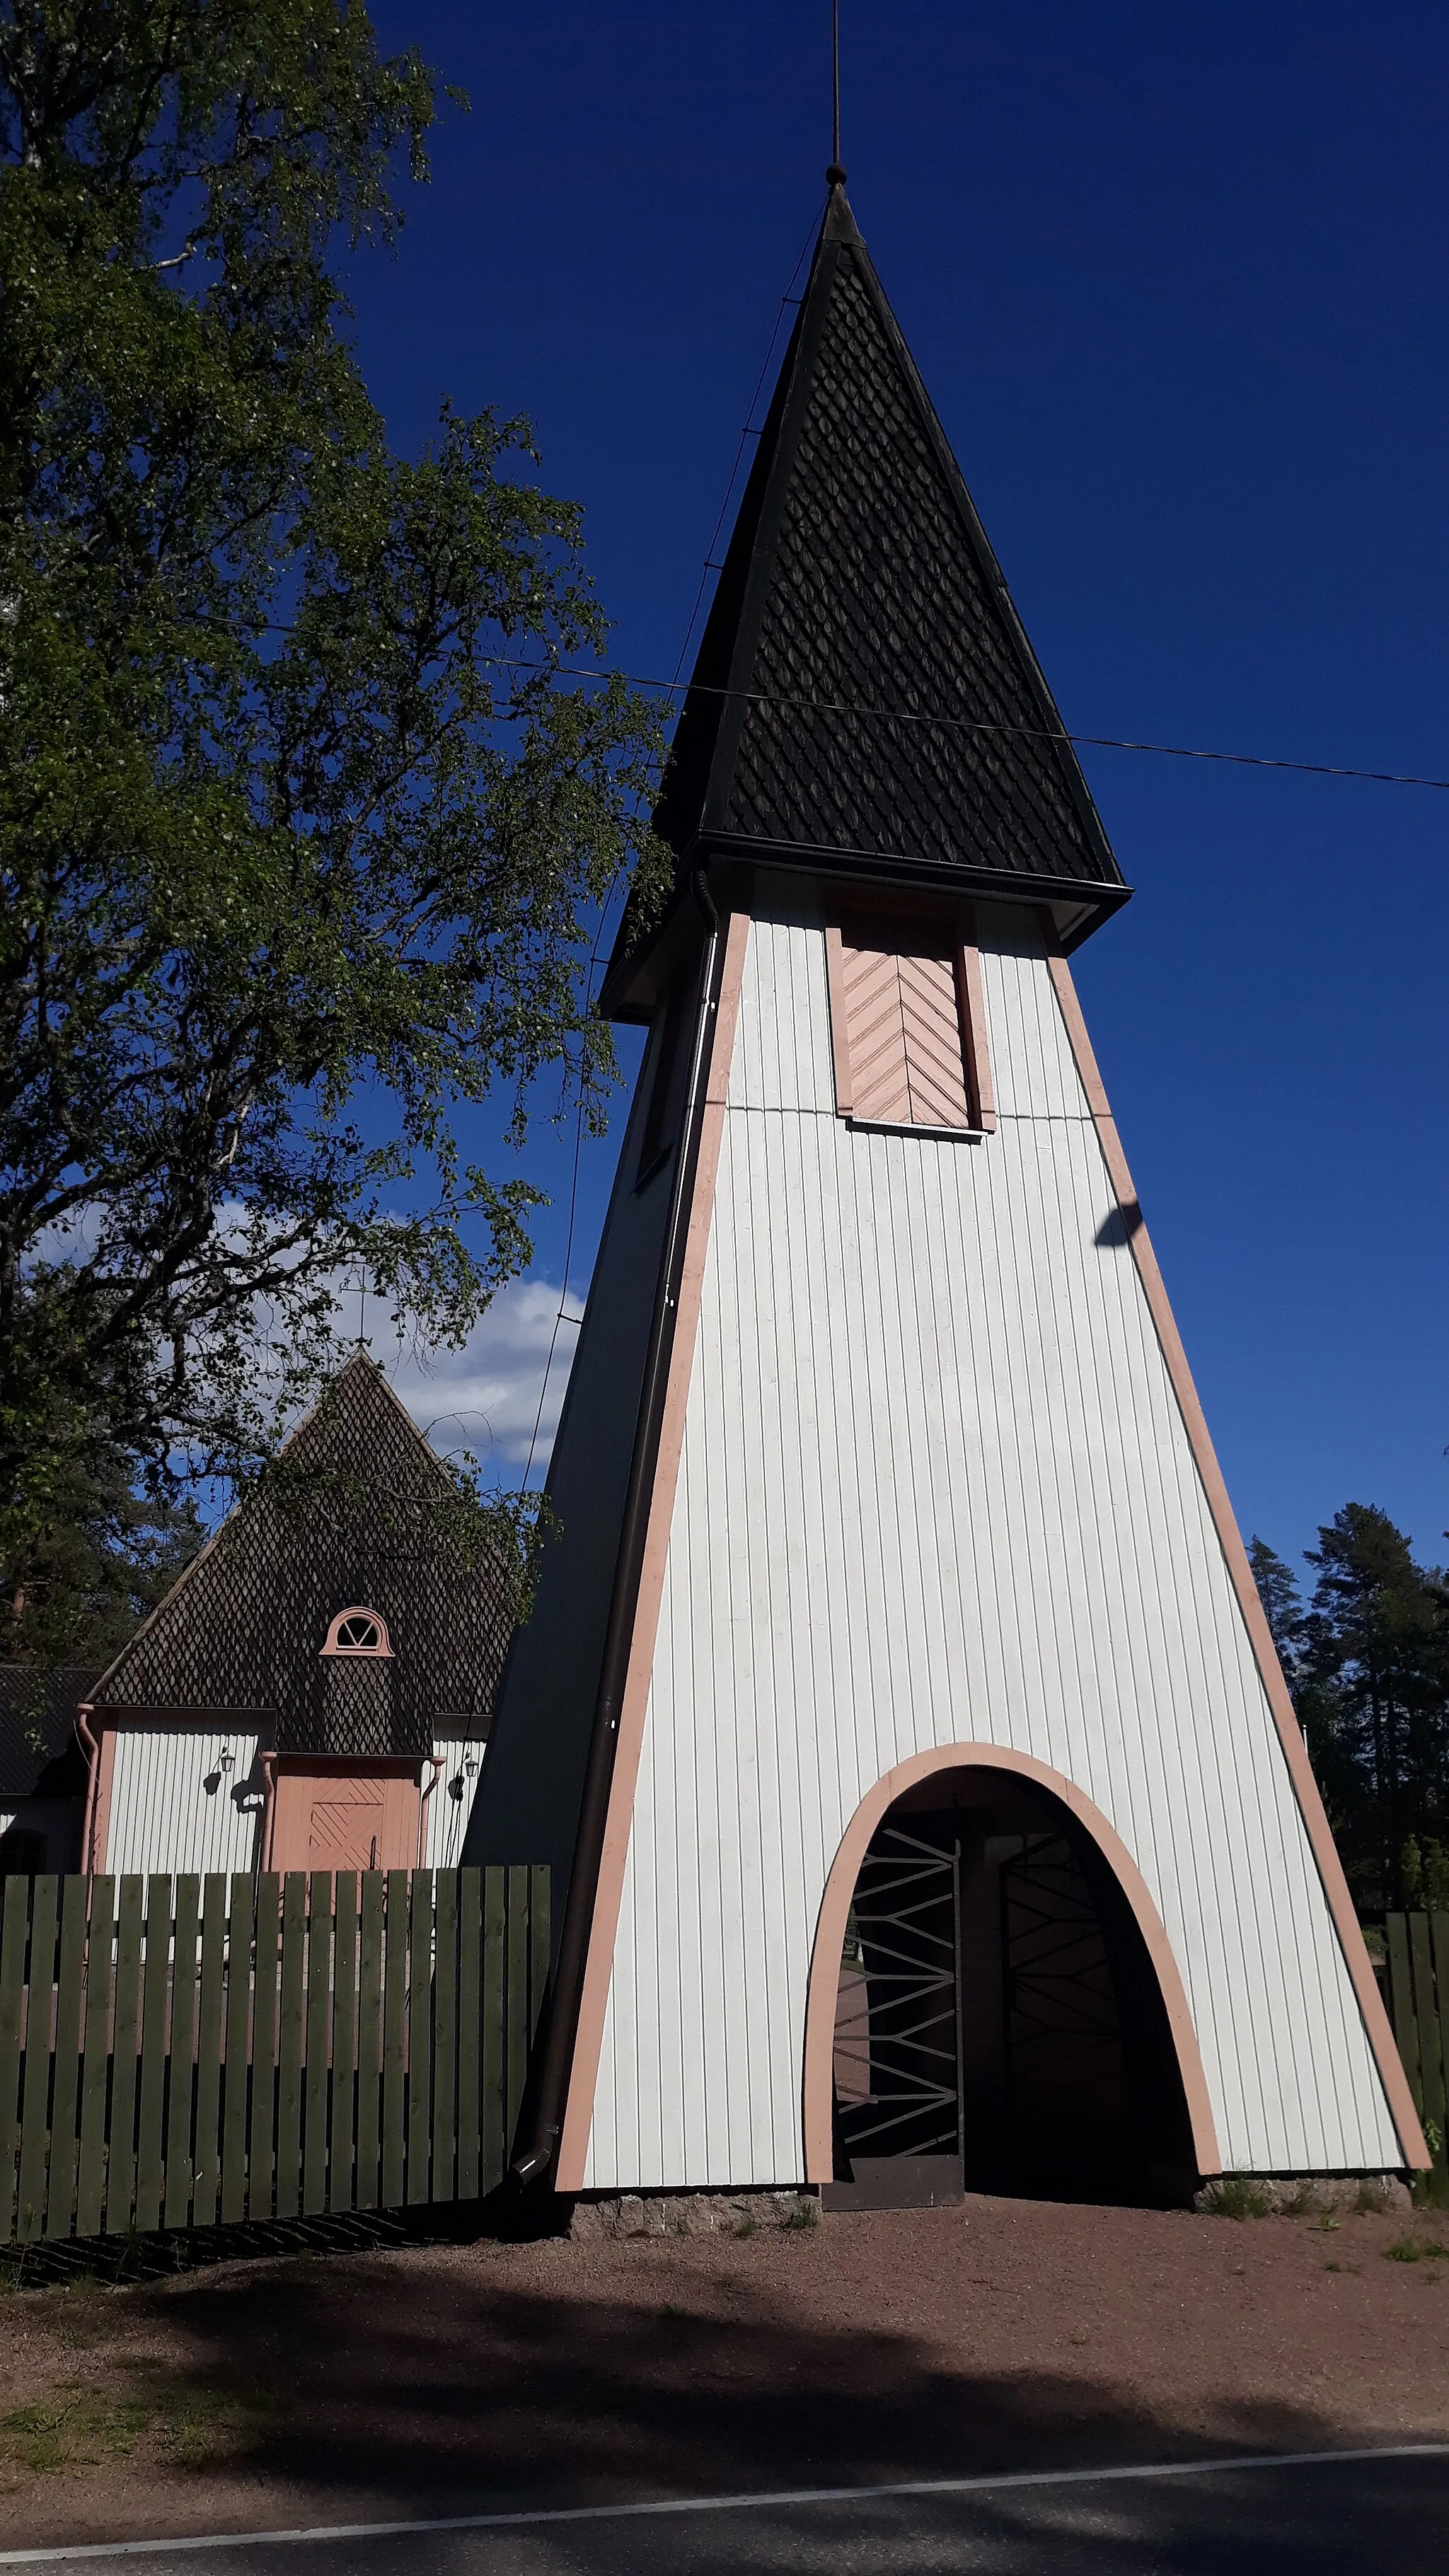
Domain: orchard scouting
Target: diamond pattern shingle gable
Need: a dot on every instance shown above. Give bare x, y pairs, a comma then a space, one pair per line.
360, 1511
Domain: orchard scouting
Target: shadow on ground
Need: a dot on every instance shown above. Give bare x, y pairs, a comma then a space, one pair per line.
400, 2389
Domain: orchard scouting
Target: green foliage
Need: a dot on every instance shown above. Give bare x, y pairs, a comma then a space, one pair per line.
1278, 1591
1368, 1664
1413, 2249
1234, 2196
301, 831
1424, 1873
100, 1558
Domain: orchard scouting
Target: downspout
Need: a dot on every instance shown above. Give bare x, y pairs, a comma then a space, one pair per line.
436, 1760
269, 1811
91, 1745
556, 2057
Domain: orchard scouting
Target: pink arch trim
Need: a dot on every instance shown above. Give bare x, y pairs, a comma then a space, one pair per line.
840, 1888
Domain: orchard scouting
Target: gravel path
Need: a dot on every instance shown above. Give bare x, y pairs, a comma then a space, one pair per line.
1001, 2335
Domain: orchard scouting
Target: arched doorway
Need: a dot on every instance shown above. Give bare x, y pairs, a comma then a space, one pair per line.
993, 2002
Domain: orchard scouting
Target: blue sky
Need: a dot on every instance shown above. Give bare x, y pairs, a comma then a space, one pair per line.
1175, 280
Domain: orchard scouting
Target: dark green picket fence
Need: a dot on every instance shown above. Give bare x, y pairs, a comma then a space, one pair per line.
1418, 1999
196, 2051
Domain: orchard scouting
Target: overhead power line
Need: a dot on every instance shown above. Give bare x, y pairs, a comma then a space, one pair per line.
972, 725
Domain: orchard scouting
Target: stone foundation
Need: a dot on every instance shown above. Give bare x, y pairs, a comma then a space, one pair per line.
691, 2213
1303, 2195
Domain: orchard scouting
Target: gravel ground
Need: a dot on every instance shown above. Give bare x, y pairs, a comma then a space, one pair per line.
451, 2379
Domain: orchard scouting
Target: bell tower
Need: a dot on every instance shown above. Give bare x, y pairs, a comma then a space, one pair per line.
889, 1519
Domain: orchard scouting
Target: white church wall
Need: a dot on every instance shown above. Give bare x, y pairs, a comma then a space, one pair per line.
164, 1819
445, 1817
936, 1487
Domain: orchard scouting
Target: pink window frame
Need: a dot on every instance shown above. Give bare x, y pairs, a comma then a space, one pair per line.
358, 1611
971, 1011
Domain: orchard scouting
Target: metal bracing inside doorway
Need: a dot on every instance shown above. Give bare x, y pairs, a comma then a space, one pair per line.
1063, 2028
998, 2025
898, 2030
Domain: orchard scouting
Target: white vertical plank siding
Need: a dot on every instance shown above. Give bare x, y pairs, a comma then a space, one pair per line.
162, 1816
935, 1487
445, 1818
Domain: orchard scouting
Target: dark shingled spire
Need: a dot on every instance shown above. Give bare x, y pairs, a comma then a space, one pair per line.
859, 588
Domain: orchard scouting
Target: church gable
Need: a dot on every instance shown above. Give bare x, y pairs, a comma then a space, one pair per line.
357, 1515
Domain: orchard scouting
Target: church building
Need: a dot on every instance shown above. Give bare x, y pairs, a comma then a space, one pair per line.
925, 1803
314, 1693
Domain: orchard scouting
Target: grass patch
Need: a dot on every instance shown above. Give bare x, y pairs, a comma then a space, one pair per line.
74, 2429
747, 2227
1412, 2249
1370, 2200
1234, 2196
184, 2426
804, 2215
1301, 2202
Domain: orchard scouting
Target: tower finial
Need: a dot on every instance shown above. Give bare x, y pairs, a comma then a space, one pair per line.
835, 176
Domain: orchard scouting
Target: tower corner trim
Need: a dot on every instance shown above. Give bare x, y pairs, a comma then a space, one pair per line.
1285, 1718
594, 1994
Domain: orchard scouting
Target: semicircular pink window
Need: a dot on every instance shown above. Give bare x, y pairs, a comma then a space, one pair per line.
357, 1632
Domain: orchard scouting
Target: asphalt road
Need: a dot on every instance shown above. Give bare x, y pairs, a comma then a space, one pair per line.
1376, 2514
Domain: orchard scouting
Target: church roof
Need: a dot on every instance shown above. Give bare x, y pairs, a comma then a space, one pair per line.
357, 1511
865, 700
37, 1729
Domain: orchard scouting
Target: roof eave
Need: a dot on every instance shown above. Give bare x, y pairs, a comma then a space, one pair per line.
637, 977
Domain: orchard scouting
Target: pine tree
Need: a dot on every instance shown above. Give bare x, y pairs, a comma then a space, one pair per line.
1373, 1695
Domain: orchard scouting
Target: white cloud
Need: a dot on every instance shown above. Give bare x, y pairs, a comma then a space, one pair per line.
485, 1397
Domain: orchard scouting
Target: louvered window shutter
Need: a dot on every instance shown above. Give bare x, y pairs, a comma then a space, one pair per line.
906, 1020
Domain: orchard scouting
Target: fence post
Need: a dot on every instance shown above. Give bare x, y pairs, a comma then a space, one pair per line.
319, 2023
14, 1941
495, 1974
369, 2041
289, 2045
445, 2039
1401, 2004
394, 2042
100, 1987
1431, 2069
470, 2028
206, 2161
181, 2108
420, 2071
35, 2105
341, 2189
121, 2166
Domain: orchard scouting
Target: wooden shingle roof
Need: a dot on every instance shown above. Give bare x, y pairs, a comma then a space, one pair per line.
358, 1510
865, 700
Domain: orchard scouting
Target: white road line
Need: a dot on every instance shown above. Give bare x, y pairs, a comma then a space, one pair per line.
769, 2500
